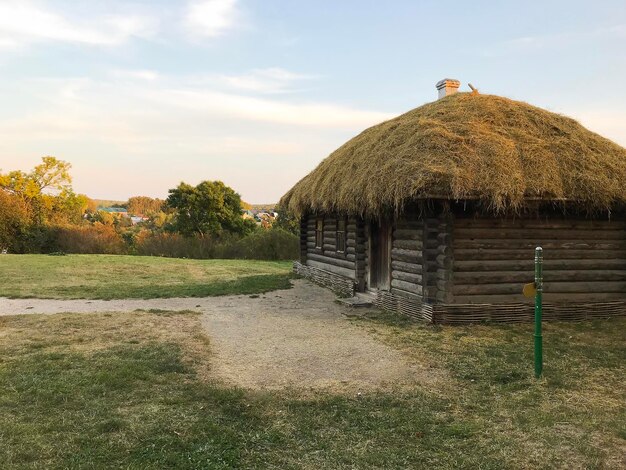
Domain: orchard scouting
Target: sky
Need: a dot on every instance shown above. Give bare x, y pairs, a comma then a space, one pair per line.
141, 95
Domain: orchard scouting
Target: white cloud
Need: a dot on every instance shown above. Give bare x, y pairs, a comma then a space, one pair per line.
22, 22
269, 80
170, 129
147, 75
234, 106
211, 18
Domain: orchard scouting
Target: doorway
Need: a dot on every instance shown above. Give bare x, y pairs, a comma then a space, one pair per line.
380, 255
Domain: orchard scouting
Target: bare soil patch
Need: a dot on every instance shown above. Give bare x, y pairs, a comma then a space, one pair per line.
296, 338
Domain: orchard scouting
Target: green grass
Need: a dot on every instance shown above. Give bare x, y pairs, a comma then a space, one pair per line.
124, 277
135, 391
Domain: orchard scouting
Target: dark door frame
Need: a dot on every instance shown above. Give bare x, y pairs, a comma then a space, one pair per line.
380, 255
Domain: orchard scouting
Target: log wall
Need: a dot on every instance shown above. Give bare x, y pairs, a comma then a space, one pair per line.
340, 285
407, 257
584, 261
327, 257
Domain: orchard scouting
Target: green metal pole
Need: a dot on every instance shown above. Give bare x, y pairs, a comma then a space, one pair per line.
538, 311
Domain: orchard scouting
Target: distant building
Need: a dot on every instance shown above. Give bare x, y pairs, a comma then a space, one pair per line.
116, 210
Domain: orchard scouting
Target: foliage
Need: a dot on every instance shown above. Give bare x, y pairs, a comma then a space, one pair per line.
40, 213
268, 244
143, 205
14, 222
84, 239
210, 208
46, 195
287, 221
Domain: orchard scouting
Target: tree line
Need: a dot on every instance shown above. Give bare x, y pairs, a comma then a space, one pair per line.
40, 213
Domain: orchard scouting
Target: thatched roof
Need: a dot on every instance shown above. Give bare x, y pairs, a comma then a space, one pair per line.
467, 146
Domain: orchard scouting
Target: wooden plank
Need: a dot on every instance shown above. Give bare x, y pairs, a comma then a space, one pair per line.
415, 268
549, 287
406, 286
538, 234
407, 244
549, 264
408, 277
548, 297
411, 256
408, 234
504, 254
331, 261
341, 271
489, 277
496, 243
565, 224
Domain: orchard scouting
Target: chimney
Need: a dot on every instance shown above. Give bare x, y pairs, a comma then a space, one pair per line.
447, 86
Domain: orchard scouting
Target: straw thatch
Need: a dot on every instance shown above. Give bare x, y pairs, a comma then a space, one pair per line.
467, 146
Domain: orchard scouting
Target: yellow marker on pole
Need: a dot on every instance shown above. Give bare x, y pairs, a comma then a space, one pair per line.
529, 289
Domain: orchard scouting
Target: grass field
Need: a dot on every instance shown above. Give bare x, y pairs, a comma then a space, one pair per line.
134, 390
124, 277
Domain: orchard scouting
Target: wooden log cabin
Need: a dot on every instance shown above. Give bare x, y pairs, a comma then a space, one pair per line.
436, 213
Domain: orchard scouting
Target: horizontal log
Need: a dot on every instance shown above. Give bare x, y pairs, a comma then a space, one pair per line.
344, 263
549, 287
408, 277
528, 276
412, 256
350, 274
540, 224
549, 264
408, 234
504, 254
495, 243
538, 234
406, 286
415, 268
408, 244
406, 295
547, 297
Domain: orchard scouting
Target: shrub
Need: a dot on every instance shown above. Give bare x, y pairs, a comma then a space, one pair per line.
14, 223
83, 239
271, 244
174, 245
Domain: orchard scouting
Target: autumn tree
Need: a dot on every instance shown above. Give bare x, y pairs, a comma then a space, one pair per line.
46, 191
14, 221
143, 205
209, 208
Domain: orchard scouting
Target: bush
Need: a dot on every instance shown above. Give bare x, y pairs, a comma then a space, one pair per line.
14, 223
271, 244
85, 239
174, 245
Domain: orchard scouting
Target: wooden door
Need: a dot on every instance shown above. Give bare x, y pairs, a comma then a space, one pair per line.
380, 250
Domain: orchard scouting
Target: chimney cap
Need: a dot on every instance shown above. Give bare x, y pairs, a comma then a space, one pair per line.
448, 82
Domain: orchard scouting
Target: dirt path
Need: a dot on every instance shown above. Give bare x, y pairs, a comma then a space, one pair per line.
292, 338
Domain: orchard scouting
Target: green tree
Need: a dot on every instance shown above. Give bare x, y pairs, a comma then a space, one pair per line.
286, 221
210, 208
